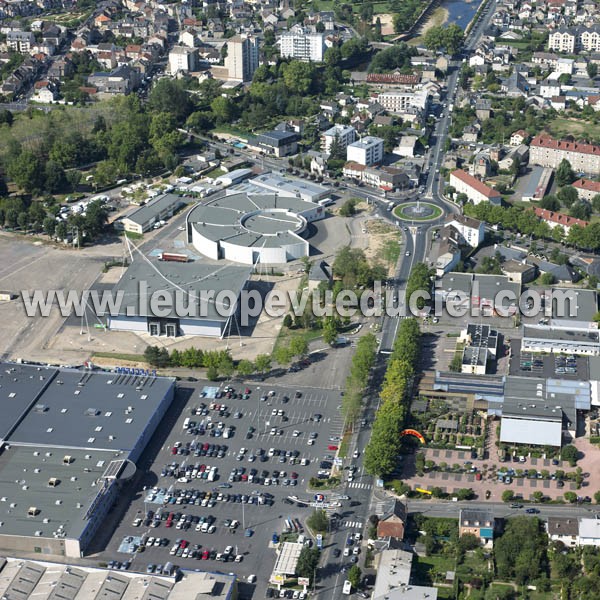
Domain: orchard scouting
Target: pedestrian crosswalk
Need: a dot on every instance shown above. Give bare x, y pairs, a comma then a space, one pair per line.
360, 486
350, 524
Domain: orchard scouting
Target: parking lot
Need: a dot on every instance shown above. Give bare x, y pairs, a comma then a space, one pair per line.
547, 365
221, 483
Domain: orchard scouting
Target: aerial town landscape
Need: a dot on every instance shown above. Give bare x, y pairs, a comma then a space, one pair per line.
299, 299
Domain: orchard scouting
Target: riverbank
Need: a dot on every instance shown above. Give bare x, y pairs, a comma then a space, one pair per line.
438, 17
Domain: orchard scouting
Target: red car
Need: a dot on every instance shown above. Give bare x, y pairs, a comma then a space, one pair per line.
332, 447
294, 475
247, 391
173, 450
205, 555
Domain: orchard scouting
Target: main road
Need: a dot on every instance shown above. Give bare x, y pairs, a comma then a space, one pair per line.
353, 519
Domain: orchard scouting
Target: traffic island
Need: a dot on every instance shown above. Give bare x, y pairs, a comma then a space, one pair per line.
418, 211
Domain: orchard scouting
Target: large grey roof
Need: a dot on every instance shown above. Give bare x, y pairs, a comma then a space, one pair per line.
586, 304
91, 410
24, 476
155, 207
191, 281
573, 336
294, 188
20, 386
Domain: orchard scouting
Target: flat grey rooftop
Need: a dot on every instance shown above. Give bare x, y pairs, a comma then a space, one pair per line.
527, 397
24, 476
190, 281
578, 336
82, 409
585, 305
154, 207
290, 187
20, 386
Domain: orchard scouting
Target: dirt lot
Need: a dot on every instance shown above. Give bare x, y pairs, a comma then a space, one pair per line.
34, 265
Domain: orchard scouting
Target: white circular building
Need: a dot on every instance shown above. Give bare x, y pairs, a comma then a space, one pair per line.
252, 228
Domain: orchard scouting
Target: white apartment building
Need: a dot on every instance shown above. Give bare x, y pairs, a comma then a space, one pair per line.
548, 152
302, 44
345, 133
401, 100
471, 231
182, 59
368, 151
475, 190
20, 41
575, 39
242, 57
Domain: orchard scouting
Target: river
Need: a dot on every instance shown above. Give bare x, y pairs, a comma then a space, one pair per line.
460, 11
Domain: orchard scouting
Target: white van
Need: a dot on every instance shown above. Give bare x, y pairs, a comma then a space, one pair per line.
347, 589
186, 423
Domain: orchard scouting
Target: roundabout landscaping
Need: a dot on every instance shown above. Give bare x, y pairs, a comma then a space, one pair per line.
418, 211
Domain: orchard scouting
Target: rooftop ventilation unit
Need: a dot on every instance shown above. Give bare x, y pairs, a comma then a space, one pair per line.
67, 459
33, 511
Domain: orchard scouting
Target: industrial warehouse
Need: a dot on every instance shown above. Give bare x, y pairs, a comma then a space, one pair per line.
69, 440
253, 228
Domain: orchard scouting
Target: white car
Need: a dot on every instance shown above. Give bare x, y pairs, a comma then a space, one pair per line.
356, 454
296, 433
251, 578
310, 442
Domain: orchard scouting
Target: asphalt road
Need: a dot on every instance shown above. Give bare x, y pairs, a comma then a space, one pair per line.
433, 508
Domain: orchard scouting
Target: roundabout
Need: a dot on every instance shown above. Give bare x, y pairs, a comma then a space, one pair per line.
418, 211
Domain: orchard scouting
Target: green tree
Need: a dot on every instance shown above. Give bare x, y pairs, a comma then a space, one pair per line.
318, 521
567, 196
348, 208
581, 210
550, 202
354, 575
298, 76
507, 496
245, 368
592, 69
307, 562
170, 96
223, 109
547, 279
263, 363
570, 497
538, 496
298, 346
570, 454
564, 173
49, 226
61, 231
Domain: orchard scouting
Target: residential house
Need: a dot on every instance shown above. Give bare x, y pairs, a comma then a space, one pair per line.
392, 524
470, 231
45, 92
478, 522
20, 41
589, 532
182, 59
407, 146
483, 109
519, 271
518, 137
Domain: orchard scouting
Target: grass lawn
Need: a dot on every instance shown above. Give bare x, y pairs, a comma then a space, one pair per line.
285, 335
427, 568
120, 356
562, 126
215, 173
232, 131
